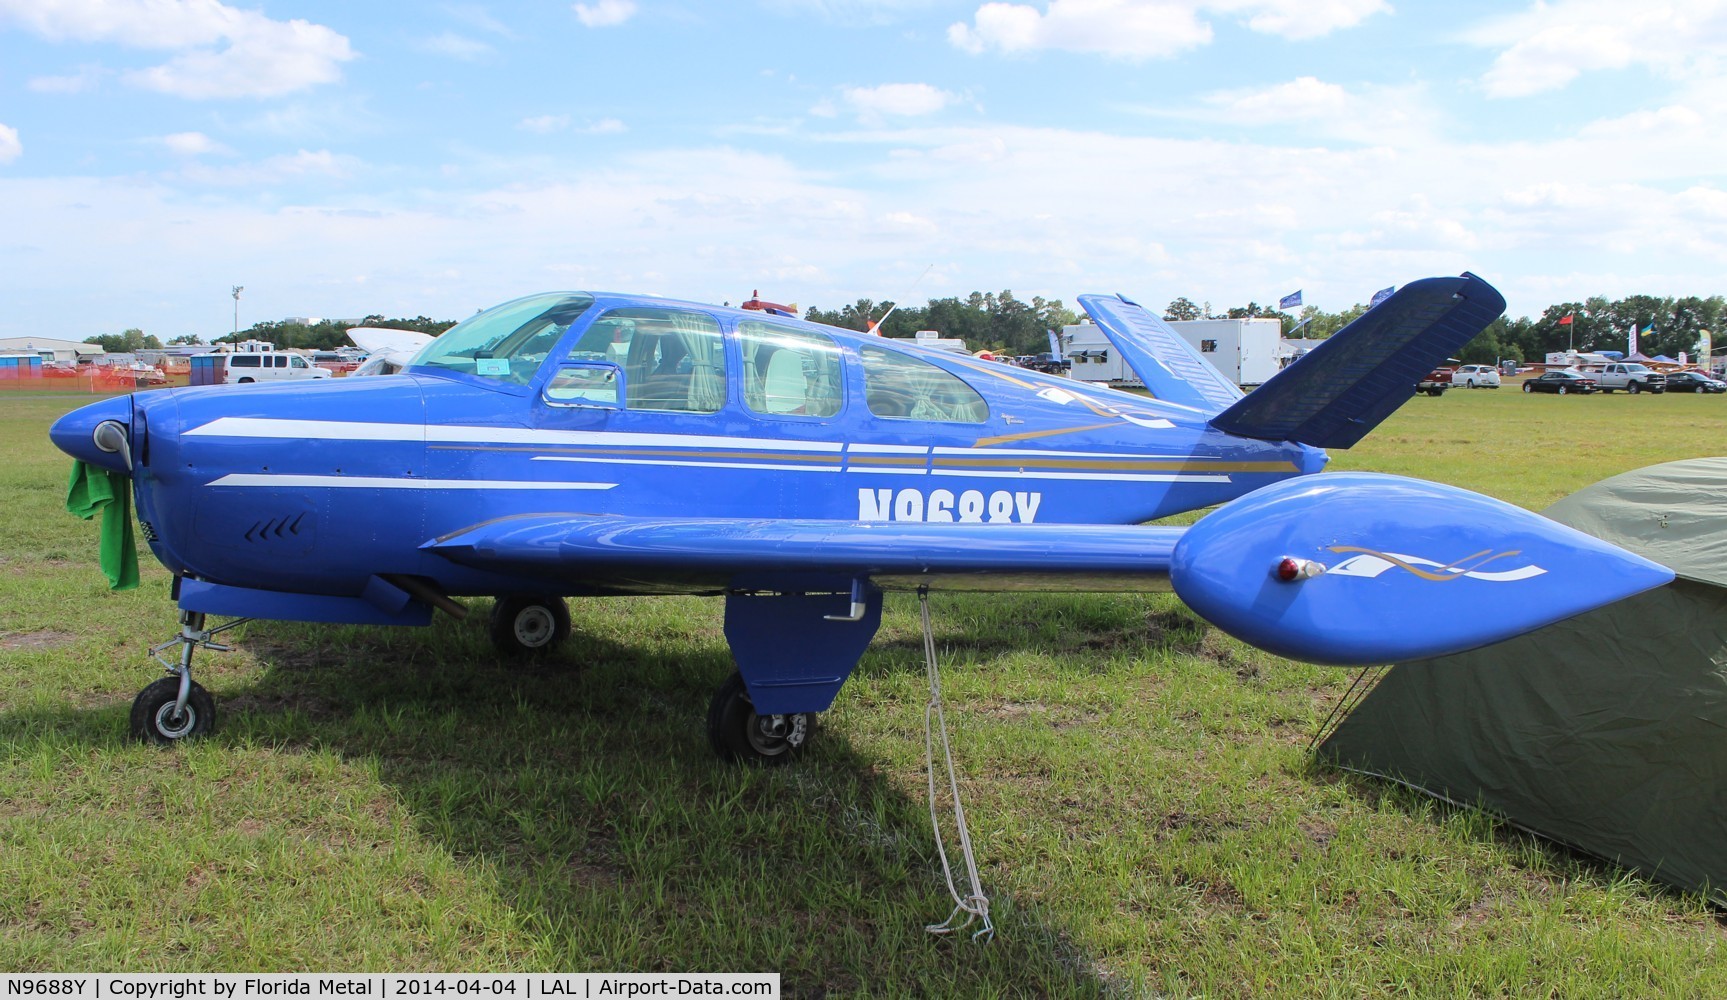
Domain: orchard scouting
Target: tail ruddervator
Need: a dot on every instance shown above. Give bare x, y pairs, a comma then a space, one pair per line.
1335, 394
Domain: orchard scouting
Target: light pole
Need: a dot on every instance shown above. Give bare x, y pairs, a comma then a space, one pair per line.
237, 290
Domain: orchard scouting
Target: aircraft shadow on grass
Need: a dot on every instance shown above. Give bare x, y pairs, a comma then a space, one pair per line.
572, 779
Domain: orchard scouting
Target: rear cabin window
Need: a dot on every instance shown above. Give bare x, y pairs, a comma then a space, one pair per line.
673, 359
243, 361
899, 385
789, 371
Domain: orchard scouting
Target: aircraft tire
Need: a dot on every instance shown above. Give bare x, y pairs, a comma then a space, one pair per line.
738, 734
153, 713
526, 626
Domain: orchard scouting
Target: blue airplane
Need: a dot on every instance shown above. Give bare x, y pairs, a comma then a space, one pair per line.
573, 444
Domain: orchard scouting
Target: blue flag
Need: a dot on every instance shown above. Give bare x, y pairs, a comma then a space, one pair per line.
1381, 295
1291, 301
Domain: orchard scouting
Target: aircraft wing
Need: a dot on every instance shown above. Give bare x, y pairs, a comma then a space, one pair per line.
895, 555
1343, 568
1344, 387
1168, 365
398, 347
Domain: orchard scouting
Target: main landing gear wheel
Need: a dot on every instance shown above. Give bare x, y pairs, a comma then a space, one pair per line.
526, 626
154, 719
739, 734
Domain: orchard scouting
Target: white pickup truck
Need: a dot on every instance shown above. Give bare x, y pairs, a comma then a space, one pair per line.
1631, 377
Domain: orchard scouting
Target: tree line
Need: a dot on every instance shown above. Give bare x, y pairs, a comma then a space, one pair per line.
998, 321
1595, 324
324, 336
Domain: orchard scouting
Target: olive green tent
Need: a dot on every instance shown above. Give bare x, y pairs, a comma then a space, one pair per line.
1606, 732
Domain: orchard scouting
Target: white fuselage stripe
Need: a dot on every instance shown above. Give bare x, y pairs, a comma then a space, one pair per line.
691, 465
392, 483
355, 430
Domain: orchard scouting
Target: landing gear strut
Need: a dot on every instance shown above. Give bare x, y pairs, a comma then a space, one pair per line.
739, 734
176, 707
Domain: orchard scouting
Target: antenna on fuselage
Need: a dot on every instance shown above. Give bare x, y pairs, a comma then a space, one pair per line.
875, 327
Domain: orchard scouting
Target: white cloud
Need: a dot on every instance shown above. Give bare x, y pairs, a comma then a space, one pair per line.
1549, 45
547, 124
455, 46
275, 170
477, 16
10, 147
1396, 116
1145, 29
1301, 19
1302, 98
87, 78
222, 51
1224, 221
605, 13
908, 99
544, 124
193, 144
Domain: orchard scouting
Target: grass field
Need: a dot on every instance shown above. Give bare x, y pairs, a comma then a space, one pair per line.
1145, 812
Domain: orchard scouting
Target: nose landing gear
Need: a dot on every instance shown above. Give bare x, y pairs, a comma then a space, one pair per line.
176, 707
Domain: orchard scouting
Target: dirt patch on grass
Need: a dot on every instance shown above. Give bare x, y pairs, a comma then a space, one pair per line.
45, 639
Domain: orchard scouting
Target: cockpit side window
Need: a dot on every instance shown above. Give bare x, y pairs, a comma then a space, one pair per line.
673, 359
899, 385
507, 342
789, 371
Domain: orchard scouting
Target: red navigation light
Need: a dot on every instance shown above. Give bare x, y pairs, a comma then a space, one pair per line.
1289, 569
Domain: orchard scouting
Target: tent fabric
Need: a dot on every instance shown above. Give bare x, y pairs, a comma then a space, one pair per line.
1675, 514
1603, 732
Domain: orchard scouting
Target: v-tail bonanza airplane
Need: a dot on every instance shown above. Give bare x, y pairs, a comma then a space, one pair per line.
573, 444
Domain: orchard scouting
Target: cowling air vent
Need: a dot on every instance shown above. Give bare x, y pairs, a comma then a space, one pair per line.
147, 529
285, 527
258, 529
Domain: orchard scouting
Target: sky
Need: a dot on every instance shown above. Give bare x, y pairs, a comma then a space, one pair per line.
338, 159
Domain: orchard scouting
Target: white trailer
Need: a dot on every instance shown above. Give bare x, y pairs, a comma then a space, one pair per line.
1244, 350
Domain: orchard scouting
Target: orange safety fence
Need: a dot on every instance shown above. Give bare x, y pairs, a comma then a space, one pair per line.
93, 382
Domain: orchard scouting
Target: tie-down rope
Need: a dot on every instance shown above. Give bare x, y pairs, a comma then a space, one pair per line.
975, 905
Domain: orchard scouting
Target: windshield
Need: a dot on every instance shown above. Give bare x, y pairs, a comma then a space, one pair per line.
506, 342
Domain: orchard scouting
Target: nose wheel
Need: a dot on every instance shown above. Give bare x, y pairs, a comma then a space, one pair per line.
176, 707
739, 734
159, 718
527, 626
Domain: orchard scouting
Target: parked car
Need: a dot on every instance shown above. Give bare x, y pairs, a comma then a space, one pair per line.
1561, 382
137, 374
1437, 381
1694, 381
1631, 377
268, 366
59, 369
335, 363
1476, 377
